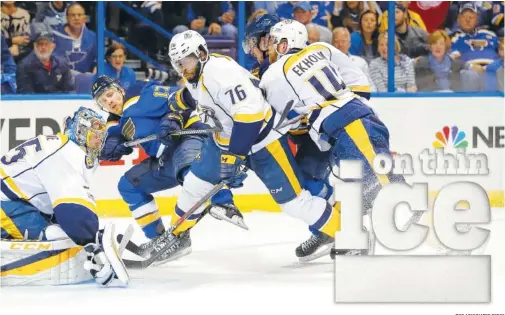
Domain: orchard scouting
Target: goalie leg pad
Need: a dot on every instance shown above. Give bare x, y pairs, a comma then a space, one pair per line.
37, 263
19, 219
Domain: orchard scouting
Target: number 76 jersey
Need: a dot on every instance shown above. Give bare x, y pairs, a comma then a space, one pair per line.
230, 94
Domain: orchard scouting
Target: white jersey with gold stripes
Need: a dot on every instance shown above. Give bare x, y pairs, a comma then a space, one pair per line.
230, 93
46, 171
314, 78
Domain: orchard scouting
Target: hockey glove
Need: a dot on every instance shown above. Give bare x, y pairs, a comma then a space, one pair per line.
98, 264
168, 124
230, 169
113, 149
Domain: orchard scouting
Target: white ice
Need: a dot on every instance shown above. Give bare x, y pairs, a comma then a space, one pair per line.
231, 271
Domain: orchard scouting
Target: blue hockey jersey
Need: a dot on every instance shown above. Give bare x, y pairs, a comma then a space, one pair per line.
80, 53
142, 115
478, 47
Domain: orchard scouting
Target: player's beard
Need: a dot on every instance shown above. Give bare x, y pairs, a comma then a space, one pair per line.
272, 55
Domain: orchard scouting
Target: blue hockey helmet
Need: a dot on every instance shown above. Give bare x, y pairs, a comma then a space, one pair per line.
102, 84
88, 130
258, 28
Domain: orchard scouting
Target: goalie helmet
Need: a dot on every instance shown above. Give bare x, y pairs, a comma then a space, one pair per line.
87, 129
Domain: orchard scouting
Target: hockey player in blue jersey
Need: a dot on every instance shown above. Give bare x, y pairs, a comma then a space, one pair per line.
256, 42
153, 112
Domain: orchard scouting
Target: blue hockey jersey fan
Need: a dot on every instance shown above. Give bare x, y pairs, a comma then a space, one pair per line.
470, 44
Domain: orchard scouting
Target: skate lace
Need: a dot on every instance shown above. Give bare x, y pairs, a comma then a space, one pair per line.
313, 240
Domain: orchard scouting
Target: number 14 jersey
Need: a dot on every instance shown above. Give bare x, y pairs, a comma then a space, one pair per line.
319, 79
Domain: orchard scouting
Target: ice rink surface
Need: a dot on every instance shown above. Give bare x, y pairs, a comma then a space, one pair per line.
233, 271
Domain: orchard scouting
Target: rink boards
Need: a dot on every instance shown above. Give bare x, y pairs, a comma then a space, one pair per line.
472, 122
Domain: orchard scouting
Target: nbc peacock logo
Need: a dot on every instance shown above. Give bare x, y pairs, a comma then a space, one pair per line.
450, 137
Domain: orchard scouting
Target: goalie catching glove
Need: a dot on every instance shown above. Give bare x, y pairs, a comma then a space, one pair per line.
104, 262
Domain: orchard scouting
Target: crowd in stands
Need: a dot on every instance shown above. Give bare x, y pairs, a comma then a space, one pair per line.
51, 47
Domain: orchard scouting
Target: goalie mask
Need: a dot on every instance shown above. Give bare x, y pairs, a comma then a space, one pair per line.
88, 130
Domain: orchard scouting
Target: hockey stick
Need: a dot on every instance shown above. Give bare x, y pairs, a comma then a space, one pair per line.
165, 241
145, 249
284, 114
186, 132
290, 121
125, 239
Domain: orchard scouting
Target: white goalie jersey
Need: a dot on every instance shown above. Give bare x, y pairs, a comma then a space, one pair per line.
47, 171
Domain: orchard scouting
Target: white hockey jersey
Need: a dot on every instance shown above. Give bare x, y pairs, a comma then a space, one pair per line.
316, 78
47, 171
231, 94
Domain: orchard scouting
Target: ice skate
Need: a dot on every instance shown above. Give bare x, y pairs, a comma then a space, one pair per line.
179, 249
315, 247
229, 213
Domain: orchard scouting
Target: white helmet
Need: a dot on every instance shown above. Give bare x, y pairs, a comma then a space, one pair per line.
186, 44
294, 32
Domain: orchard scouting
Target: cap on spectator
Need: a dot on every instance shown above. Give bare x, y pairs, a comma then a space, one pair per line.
468, 6
304, 5
44, 35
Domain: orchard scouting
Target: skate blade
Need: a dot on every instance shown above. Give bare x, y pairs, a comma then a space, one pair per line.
324, 251
180, 254
236, 220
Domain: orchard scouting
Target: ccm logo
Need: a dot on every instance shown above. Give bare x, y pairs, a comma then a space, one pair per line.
31, 246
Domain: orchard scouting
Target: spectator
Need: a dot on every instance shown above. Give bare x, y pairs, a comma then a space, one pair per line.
269, 6
143, 36
16, 29
76, 43
493, 78
404, 68
413, 18
483, 12
8, 70
115, 68
412, 39
472, 45
347, 14
313, 33
52, 14
208, 18
439, 72
364, 42
302, 12
43, 72
497, 18
432, 13
285, 11
342, 41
